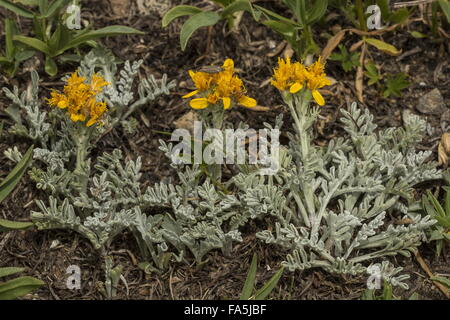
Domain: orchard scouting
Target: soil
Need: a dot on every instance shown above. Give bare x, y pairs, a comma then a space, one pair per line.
254, 48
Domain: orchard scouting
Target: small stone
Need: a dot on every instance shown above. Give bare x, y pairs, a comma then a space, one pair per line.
431, 103
54, 244
272, 44
257, 32
120, 8
446, 116
186, 121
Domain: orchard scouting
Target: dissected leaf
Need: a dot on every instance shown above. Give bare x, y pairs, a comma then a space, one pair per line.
372, 73
348, 60
394, 85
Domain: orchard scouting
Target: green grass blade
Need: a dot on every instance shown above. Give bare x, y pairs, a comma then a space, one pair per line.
7, 225
33, 43
179, 11
264, 292
10, 182
18, 287
101, 33
199, 20
250, 281
7, 271
16, 9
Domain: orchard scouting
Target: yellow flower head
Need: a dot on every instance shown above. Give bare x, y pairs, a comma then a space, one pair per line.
316, 80
317, 67
289, 76
293, 76
80, 98
223, 86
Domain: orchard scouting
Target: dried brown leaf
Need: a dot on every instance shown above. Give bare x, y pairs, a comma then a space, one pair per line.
332, 44
445, 141
359, 81
442, 156
356, 45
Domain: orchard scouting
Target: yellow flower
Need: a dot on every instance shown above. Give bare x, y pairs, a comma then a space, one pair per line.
223, 87
202, 82
75, 81
97, 110
300, 75
316, 80
317, 67
80, 98
289, 75
283, 74
97, 83
292, 76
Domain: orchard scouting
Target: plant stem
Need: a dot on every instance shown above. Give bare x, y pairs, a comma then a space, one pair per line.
302, 116
82, 145
218, 114
360, 13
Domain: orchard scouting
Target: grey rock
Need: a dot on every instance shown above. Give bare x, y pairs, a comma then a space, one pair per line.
431, 103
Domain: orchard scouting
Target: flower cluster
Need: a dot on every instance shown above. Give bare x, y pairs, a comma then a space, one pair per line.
293, 76
80, 98
223, 86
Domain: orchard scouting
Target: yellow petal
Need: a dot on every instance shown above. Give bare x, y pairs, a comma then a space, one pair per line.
98, 82
199, 103
91, 122
296, 87
247, 102
226, 103
190, 94
62, 104
228, 65
318, 97
77, 117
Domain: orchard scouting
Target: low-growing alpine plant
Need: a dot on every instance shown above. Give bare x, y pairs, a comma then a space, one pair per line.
330, 204
66, 129
326, 207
